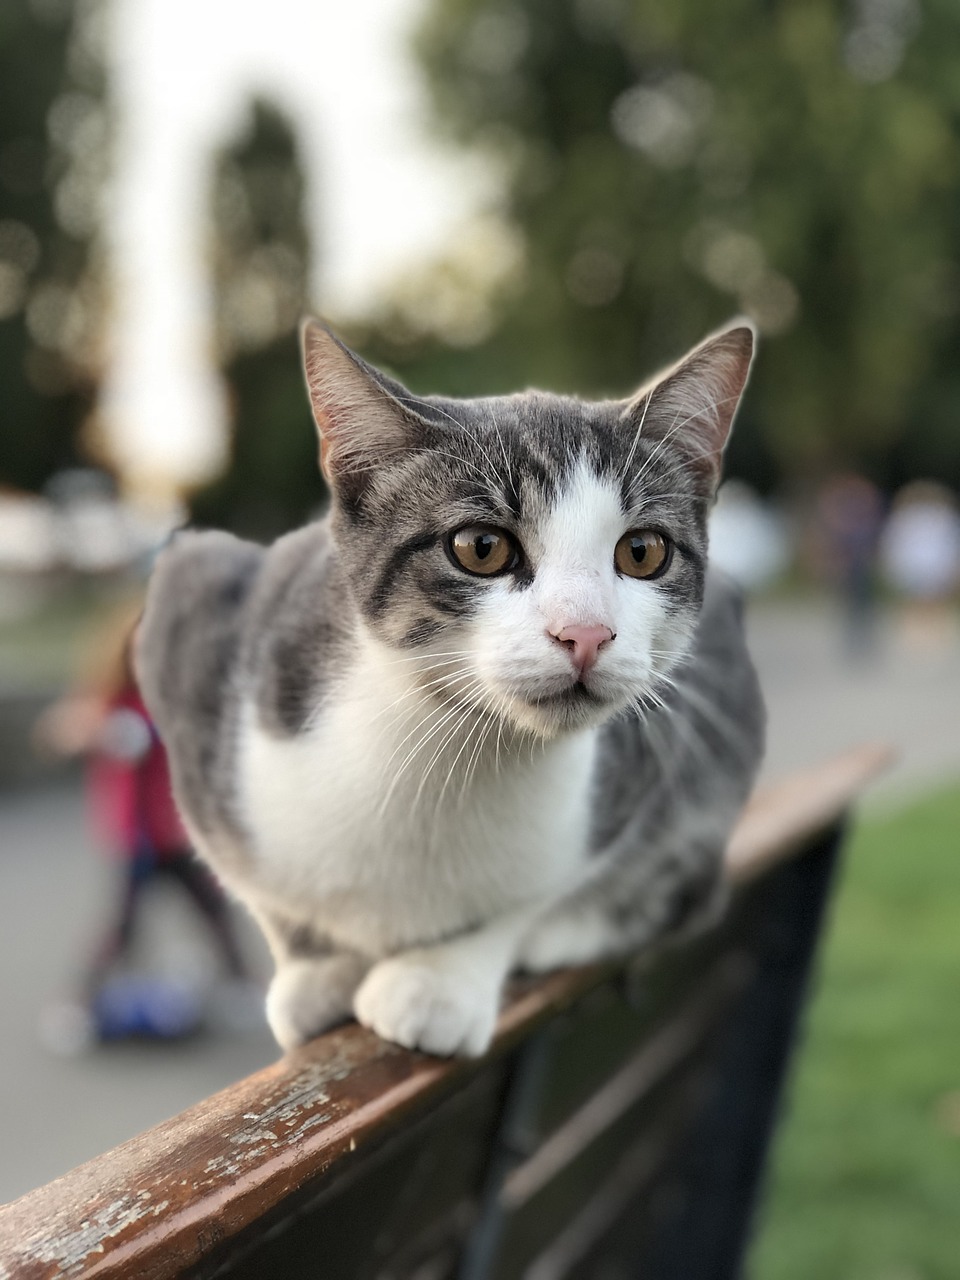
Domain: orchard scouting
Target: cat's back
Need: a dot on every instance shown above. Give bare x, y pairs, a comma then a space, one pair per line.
188, 647
191, 622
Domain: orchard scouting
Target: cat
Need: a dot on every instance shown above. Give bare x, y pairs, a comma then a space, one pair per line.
492, 712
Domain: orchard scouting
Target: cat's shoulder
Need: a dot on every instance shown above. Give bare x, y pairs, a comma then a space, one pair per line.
190, 629
721, 625
305, 555
204, 568
299, 625
201, 579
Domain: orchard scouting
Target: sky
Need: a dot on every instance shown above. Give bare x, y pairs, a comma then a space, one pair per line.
381, 194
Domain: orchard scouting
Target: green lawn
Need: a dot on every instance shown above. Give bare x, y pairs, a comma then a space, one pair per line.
866, 1175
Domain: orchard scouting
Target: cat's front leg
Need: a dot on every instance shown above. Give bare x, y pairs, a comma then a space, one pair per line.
634, 904
314, 983
573, 933
443, 999
308, 995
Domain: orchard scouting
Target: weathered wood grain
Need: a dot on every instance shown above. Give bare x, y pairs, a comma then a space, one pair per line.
781, 816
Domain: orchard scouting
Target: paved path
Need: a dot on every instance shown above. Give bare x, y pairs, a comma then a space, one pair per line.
55, 1112
58, 1111
822, 699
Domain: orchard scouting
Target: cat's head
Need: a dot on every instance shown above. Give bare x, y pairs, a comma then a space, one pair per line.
536, 555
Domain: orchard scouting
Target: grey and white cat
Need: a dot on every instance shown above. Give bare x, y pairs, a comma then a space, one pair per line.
491, 712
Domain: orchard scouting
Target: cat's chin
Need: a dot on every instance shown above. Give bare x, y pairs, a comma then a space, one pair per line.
570, 709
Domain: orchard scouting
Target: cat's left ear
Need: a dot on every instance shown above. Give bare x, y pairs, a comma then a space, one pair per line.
358, 411
692, 406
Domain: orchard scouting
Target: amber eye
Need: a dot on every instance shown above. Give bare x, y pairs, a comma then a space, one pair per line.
642, 554
481, 549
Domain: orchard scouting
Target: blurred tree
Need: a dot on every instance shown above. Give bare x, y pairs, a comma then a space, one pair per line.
261, 270
54, 137
664, 164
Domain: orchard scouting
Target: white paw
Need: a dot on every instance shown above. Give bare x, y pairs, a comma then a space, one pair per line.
417, 1002
565, 939
309, 996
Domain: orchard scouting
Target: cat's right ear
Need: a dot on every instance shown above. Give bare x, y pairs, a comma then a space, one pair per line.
359, 422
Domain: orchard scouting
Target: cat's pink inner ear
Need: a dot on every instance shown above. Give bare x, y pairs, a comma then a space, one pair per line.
694, 404
354, 421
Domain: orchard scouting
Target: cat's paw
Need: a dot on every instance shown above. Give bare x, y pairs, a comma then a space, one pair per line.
416, 1001
307, 997
567, 938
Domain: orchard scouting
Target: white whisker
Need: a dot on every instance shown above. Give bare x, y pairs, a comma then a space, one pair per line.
636, 438
447, 739
421, 742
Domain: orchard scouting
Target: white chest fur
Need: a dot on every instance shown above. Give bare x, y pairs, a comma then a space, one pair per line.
371, 830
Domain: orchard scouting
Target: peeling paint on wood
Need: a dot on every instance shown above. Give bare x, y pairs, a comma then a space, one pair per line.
70, 1250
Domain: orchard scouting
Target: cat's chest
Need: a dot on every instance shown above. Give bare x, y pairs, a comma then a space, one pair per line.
364, 827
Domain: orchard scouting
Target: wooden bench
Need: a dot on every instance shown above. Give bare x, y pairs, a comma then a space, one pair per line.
618, 1126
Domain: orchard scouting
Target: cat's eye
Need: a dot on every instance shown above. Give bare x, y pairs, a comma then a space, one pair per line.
643, 553
482, 549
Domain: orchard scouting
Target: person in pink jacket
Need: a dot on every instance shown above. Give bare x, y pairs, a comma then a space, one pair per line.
131, 801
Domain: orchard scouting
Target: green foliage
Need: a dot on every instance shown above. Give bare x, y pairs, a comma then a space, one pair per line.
54, 135
866, 1179
261, 265
273, 481
672, 162
260, 249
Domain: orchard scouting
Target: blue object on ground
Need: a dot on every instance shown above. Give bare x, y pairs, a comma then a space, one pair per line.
149, 1007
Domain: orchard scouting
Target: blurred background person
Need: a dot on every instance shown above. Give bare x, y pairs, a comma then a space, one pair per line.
921, 560
748, 539
131, 807
846, 531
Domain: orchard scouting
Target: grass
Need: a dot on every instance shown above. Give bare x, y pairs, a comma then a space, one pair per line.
866, 1175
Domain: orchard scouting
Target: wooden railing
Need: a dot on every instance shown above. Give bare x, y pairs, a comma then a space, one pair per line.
623, 1112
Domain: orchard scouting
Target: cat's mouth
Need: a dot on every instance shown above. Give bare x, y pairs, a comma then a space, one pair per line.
571, 696
551, 707
552, 711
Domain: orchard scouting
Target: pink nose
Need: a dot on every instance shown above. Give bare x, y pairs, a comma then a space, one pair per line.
584, 644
